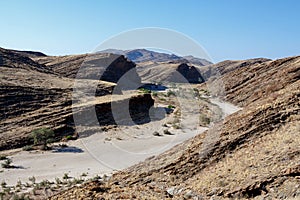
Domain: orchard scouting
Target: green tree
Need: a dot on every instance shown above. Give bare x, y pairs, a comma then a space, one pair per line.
42, 136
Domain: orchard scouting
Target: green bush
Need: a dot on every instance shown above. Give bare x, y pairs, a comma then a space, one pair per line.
171, 106
69, 137
43, 136
143, 90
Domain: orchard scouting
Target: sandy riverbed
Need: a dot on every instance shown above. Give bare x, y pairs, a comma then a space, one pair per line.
102, 153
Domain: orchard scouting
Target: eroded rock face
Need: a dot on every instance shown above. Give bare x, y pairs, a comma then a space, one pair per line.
190, 73
125, 110
33, 95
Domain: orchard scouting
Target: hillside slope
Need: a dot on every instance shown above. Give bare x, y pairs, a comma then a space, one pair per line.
35, 95
254, 153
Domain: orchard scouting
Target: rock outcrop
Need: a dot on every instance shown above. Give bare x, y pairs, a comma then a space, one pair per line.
106, 67
169, 72
35, 94
190, 73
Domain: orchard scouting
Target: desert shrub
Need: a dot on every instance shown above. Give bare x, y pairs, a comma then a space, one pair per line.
66, 176
58, 181
196, 92
206, 92
77, 181
2, 157
171, 93
19, 184
143, 90
43, 136
3, 184
204, 120
84, 174
171, 106
36, 187
69, 137
7, 163
155, 94
28, 185
97, 177
45, 184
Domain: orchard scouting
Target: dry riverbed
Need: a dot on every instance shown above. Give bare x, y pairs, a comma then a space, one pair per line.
105, 152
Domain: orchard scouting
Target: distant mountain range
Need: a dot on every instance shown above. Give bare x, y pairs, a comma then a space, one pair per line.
144, 55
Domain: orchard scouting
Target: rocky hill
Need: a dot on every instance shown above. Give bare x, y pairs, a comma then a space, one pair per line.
30, 54
151, 66
35, 94
103, 66
144, 55
169, 72
253, 153
213, 70
14, 59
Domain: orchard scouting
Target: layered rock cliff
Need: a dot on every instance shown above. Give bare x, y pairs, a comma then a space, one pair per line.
35, 95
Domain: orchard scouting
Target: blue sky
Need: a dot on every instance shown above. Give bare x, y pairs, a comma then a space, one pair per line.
227, 29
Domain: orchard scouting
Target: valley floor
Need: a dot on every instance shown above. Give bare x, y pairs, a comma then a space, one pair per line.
102, 153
